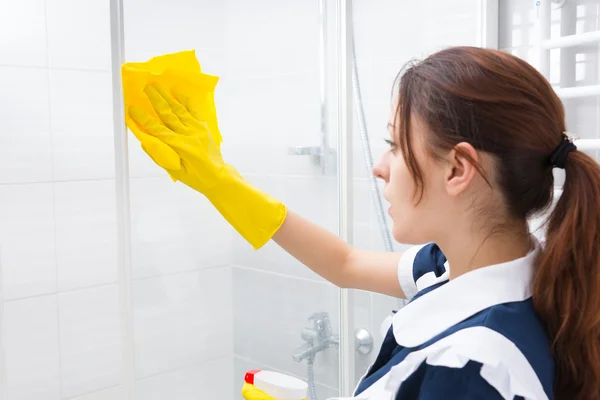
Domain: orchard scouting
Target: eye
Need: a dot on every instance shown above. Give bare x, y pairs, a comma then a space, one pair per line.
390, 143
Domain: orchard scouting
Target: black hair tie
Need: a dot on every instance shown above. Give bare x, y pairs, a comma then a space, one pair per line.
559, 155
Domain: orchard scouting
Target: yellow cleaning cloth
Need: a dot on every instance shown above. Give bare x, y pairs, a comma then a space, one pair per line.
170, 109
171, 70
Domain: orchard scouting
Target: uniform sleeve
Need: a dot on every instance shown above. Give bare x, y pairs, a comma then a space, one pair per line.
421, 267
436, 382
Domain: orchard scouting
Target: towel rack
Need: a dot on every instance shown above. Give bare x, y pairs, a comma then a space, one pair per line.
545, 44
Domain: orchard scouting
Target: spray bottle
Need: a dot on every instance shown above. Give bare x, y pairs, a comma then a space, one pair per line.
268, 385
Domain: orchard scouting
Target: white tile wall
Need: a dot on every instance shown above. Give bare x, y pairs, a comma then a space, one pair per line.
23, 33
31, 341
79, 34
211, 379
184, 25
86, 245
140, 165
27, 240
25, 143
253, 50
290, 117
81, 124
116, 393
182, 320
57, 209
175, 229
90, 340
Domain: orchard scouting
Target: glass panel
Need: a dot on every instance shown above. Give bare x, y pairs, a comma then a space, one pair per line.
387, 35
207, 307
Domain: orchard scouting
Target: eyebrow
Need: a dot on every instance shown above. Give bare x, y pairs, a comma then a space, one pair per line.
390, 125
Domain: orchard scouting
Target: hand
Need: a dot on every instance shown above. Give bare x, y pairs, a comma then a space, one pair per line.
180, 126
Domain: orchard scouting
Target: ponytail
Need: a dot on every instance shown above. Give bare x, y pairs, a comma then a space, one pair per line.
566, 285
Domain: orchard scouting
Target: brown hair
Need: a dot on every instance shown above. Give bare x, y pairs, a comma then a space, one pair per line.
504, 107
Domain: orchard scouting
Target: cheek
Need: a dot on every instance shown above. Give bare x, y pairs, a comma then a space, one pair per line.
410, 220
401, 184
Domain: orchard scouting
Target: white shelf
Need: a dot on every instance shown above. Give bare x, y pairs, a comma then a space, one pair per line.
572, 40
587, 144
577, 92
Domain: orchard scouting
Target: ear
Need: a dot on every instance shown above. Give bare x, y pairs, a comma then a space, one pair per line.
461, 169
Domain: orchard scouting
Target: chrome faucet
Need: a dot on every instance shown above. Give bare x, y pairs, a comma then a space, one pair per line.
318, 338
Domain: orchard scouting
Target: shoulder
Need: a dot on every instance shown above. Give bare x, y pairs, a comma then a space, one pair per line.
421, 267
519, 323
477, 360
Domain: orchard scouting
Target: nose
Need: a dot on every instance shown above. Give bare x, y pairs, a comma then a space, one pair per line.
381, 168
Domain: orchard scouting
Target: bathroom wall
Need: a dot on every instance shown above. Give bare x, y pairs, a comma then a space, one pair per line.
58, 265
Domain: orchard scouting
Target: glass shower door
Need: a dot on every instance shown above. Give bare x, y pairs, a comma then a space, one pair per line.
387, 35
206, 306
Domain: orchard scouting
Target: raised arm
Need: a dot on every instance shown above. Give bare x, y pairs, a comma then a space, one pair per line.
336, 260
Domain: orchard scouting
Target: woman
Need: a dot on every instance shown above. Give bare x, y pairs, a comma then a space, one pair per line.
474, 138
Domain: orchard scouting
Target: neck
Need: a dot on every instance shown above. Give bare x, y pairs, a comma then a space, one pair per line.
467, 252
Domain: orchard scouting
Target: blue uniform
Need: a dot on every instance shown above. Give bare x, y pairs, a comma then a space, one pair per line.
475, 337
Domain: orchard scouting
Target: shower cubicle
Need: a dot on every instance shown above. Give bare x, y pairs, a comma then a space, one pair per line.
116, 283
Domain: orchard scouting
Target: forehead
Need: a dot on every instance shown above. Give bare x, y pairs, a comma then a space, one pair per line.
416, 128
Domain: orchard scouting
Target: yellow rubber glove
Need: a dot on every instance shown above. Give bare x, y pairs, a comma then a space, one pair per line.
171, 70
250, 392
177, 121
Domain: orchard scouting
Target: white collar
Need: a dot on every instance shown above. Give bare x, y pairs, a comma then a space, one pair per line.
433, 313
